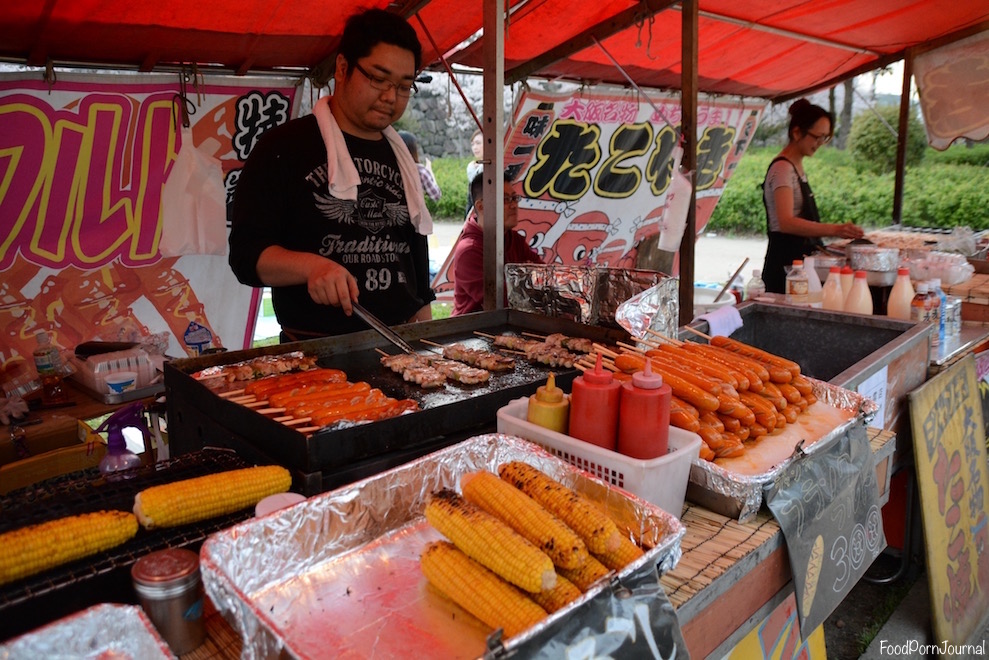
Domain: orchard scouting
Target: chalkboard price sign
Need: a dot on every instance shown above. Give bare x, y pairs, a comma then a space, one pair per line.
827, 505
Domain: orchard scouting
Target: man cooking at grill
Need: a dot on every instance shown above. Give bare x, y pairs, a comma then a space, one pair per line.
329, 207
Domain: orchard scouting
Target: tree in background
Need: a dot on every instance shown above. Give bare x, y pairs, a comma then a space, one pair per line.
873, 139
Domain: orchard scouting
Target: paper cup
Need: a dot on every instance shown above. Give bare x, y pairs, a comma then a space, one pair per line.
122, 381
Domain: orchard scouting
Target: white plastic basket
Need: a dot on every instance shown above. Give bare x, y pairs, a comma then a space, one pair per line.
661, 481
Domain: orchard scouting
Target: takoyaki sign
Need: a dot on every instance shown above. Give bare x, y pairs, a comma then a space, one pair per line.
83, 165
595, 169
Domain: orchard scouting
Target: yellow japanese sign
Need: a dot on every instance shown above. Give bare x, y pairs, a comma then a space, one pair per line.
950, 455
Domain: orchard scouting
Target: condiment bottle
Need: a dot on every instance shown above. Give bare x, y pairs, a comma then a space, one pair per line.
169, 588
860, 299
900, 296
594, 403
815, 291
644, 415
549, 407
847, 280
832, 296
920, 309
796, 284
48, 362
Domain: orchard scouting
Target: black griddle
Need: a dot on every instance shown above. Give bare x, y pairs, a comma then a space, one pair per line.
197, 415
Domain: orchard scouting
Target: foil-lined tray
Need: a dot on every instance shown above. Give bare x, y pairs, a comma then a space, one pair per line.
101, 631
589, 295
341, 570
738, 495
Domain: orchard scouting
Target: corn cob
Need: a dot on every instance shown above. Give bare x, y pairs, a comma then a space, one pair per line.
564, 593
580, 514
525, 516
626, 553
37, 548
586, 575
478, 590
201, 498
490, 542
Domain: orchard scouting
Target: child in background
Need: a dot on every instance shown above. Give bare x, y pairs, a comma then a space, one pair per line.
429, 185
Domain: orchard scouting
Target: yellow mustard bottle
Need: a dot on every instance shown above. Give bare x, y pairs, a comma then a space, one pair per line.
549, 407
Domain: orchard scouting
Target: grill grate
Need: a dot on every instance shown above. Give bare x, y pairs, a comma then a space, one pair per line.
86, 491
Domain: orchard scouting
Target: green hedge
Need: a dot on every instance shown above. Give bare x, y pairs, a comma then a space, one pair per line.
946, 189
937, 193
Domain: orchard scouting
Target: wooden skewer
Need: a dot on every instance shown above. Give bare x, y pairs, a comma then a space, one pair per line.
247, 398
231, 393
533, 334
283, 419
634, 349
431, 343
697, 332
256, 404
662, 337
581, 367
604, 350
309, 429
484, 334
383, 353
270, 411
297, 420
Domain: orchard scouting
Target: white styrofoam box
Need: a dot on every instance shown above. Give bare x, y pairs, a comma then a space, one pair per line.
660, 481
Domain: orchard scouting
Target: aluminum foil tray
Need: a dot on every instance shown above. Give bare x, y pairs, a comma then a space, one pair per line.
341, 570
733, 487
101, 631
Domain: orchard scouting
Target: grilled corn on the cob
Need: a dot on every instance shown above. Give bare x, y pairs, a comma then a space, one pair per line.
37, 548
490, 542
525, 516
626, 553
564, 593
200, 498
478, 590
598, 530
586, 575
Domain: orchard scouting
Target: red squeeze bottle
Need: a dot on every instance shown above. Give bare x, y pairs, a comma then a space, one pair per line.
644, 417
594, 407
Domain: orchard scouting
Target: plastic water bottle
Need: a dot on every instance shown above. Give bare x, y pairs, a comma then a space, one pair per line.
755, 286
935, 286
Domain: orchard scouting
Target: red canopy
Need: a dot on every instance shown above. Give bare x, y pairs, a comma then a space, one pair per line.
763, 48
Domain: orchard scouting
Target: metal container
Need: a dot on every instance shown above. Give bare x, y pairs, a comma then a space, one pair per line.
339, 574
169, 588
872, 258
953, 316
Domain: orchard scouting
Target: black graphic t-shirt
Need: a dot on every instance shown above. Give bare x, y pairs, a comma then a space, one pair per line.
283, 199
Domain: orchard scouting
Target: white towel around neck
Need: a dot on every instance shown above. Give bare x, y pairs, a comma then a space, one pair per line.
343, 176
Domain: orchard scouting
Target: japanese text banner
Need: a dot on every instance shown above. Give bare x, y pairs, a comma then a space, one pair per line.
82, 167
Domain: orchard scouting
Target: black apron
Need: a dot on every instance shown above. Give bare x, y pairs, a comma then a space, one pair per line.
783, 249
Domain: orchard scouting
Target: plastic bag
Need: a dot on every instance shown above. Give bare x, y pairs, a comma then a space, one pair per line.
677, 207
193, 204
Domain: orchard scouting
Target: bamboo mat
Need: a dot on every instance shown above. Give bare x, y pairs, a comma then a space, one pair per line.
221, 642
713, 544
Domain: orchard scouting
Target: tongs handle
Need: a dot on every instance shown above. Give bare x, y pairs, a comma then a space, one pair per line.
381, 328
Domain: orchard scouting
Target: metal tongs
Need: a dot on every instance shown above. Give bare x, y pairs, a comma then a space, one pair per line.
382, 329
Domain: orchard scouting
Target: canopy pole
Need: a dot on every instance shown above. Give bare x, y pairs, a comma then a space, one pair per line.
688, 102
901, 140
449, 72
493, 128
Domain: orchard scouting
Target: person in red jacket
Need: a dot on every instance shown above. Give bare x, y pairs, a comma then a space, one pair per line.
468, 255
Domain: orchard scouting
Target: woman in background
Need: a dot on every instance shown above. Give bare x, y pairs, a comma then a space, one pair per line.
792, 220
429, 185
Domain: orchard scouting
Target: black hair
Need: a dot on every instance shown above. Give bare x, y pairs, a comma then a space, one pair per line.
412, 143
477, 185
367, 29
804, 114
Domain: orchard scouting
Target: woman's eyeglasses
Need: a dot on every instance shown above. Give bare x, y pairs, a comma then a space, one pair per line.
821, 139
385, 85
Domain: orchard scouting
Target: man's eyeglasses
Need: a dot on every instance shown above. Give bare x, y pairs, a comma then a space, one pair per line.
512, 199
385, 85
821, 139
